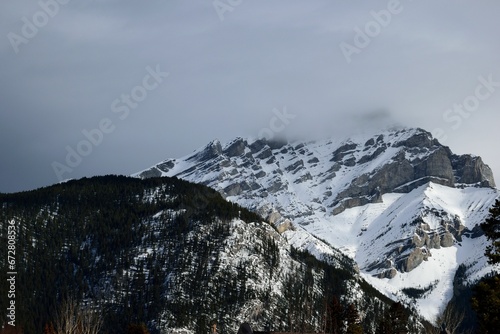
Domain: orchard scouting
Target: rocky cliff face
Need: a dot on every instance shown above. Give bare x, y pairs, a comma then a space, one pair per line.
353, 172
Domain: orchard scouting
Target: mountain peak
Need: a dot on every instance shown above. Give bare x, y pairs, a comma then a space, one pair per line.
388, 199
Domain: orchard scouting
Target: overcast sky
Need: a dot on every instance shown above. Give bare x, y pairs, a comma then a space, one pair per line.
159, 79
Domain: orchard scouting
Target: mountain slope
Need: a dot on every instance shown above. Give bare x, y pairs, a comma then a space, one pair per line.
174, 255
394, 201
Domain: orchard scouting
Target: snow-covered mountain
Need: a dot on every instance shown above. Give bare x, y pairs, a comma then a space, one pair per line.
398, 202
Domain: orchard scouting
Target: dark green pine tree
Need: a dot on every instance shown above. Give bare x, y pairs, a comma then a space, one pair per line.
486, 301
491, 228
384, 327
394, 321
352, 320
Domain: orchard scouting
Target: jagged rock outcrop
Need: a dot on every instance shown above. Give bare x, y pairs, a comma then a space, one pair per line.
447, 240
471, 169
236, 148
416, 257
436, 167
389, 273
397, 161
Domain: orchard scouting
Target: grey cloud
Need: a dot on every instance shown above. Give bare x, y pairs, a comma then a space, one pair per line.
226, 77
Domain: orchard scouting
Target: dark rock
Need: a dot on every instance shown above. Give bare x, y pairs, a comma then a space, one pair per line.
237, 148
271, 160
390, 273
471, 170
276, 186
166, 166
370, 188
370, 142
306, 177
352, 202
260, 174
350, 162
438, 166
420, 139
212, 150
152, 172
372, 156
258, 145
295, 167
266, 153
313, 160
392, 176
342, 151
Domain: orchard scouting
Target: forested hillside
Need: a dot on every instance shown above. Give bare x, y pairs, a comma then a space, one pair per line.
172, 254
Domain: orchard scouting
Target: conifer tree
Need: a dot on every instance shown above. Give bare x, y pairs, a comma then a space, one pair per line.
486, 301
394, 321
353, 320
491, 228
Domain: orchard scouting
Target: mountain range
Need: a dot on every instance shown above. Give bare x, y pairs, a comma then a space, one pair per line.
403, 206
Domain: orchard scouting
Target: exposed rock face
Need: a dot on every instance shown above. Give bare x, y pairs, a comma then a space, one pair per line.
435, 241
212, 150
404, 159
447, 240
237, 148
418, 248
275, 218
420, 140
152, 172
420, 160
390, 273
416, 258
437, 167
471, 169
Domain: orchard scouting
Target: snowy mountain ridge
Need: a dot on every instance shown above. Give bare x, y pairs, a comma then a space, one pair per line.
398, 202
